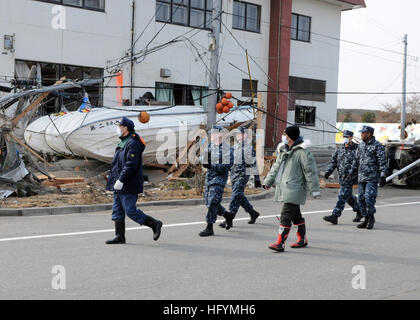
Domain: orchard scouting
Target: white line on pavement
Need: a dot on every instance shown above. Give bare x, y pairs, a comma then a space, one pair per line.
178, 224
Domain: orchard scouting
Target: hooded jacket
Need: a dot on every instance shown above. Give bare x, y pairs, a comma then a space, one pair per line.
294, 173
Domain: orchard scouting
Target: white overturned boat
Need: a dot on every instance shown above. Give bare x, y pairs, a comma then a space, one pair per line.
93, 134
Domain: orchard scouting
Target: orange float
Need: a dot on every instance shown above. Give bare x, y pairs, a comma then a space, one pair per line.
228, 95
144, 117
224, 101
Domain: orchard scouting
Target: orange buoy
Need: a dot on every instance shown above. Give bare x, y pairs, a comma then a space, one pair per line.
219, 111
219, 107
230, 104
228, 95
226, 109
144, 117
224, 101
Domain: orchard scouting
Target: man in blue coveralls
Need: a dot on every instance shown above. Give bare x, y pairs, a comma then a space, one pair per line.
126, 180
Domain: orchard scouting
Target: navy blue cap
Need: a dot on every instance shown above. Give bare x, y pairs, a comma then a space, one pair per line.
367, 129
218, 128
126, 123
347, 133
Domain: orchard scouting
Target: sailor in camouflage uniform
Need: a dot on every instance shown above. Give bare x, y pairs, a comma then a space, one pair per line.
220, 160
244, 165
342, 160
371, 165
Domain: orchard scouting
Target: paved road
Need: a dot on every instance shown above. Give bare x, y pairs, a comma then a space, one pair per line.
234, 264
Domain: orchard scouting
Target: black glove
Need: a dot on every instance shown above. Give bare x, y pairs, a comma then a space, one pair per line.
327, 175
257, 182
382, 182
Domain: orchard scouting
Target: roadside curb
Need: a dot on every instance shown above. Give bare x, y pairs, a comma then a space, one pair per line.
105, 207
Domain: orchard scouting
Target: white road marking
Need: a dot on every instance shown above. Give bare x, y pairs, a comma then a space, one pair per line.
179, 224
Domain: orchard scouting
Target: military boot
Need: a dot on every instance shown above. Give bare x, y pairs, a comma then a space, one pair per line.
119, 233
281, 239
208, 231
254, 215
155, 225
371, 222
301, 237
332, 219
363, 224
222, 224
229, 216
358, 217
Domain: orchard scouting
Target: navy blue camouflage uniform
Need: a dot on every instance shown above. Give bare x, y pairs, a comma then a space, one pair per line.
342, 160
216, 178
244, 162
371, 165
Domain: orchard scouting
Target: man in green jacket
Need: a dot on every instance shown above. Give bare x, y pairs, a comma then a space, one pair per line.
294, 174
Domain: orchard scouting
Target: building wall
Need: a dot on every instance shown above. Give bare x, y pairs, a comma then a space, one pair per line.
93, 38
318, 59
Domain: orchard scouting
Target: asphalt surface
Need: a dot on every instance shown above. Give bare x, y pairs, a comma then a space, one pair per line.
234, 264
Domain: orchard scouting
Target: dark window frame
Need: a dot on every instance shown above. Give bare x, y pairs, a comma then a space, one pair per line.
297, 28
304, 122
60, 72
297, 86
189, 7
246, 16
185, 88
60, 2
247, 92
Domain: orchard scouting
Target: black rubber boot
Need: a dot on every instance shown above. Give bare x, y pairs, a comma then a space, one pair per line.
332, 219
301, 237
229, 216
371, 222
208, 231
156, 226
358, 217
254, 215
119, 233
363, 224
281, 239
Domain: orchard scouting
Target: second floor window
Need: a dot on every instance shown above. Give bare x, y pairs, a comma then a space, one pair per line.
87, 4
301, 27
246, 16
192, 13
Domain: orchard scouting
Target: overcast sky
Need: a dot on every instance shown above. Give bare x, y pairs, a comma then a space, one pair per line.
382, 24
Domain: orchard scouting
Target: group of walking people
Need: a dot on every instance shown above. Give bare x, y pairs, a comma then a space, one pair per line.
294, 174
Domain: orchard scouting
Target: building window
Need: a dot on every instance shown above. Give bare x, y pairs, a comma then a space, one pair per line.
191, 13
246, 87
181, 94
70, 99
246, 16
307, 89
98, 5
305, 115
301, 28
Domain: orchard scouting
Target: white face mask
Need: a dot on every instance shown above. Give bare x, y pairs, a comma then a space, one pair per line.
346, 140
284, 140
119, 132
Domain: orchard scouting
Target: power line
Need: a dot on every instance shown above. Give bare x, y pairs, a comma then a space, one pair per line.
327, 36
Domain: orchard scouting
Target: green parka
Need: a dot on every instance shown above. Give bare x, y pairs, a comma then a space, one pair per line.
294, 174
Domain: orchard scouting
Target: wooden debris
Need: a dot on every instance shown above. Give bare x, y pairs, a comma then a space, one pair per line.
58, 182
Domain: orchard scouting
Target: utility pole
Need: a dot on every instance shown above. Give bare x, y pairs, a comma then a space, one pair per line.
404, 90
132, 52
214, 65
